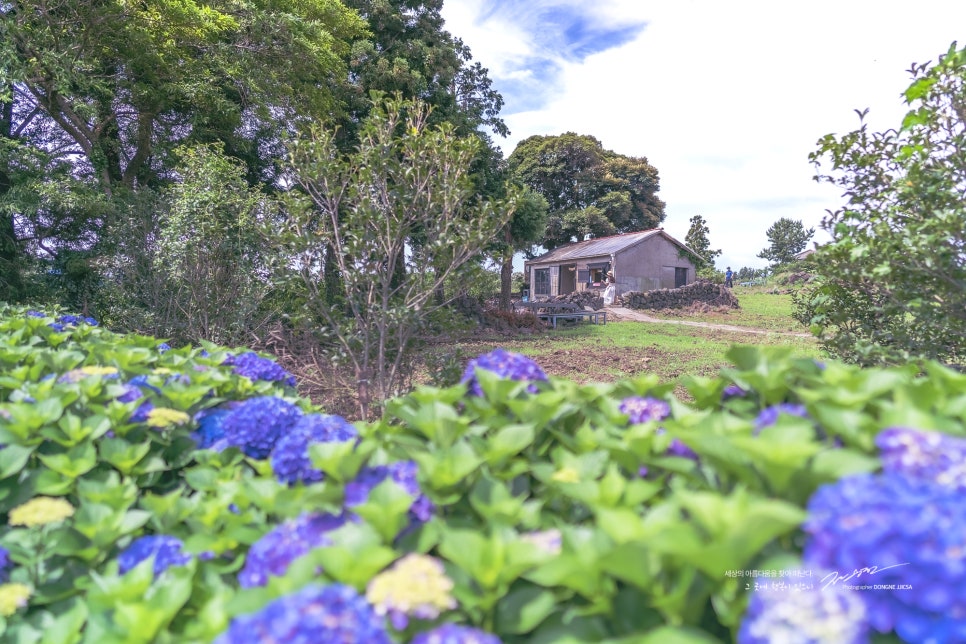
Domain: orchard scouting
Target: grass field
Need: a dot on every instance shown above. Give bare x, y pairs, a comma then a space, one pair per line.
589, 352
761, 308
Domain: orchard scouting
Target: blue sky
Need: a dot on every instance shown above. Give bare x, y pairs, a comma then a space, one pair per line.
726, 99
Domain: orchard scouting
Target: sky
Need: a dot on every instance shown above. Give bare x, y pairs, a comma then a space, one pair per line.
726, 99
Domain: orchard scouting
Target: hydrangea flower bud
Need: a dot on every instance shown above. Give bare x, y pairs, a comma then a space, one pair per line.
415, 586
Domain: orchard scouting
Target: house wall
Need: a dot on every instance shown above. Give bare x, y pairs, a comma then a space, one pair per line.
555, 277
650, 265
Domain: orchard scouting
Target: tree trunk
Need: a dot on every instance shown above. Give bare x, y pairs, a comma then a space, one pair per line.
506, 274
11, 283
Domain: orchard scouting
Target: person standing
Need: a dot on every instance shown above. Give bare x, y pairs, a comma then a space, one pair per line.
729, 276
610, 293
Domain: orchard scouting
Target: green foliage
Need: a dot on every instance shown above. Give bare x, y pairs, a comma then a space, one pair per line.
400, 216
638, 559
589, 190
787, 238
892, 285
187, 263
697, 240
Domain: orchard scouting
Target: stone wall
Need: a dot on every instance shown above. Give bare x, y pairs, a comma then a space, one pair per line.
586, 300
676, 298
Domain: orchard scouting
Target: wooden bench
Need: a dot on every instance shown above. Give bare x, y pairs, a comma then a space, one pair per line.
553, 311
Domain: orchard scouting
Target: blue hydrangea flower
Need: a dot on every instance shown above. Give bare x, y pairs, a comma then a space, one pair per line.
255, 367
256, 424
334, 613
641, 410
456, 634
166, 551
793, 612
56, 326
893, 530
5, 563
74, 320
142, 382
211, 427
929, 456
271, 555
506, 365
35, 314
769, 415
290, 458
403, 473
164, 346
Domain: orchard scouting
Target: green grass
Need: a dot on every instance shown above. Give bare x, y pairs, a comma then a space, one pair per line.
590, 352
761, 308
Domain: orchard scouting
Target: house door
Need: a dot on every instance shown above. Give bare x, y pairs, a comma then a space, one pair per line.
568, 279
680, 277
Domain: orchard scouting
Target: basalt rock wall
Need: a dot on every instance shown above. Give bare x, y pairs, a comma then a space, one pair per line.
675, 298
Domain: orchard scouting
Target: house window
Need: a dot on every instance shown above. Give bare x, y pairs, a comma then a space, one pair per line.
583, 276
680, 277
541, 281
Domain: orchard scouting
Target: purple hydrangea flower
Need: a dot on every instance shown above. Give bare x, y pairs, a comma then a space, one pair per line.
929, 456
254, 367
334, 613
271, 555
166, 551
506, 365
290, 458
733, 391
255, 425
5, 563
140, 414
769, 415
131, 393
404, 473
456, 634
784, 611
35, 314
640, 409
906, 535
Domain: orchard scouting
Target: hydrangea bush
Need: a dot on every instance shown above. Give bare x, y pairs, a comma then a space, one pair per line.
157, 494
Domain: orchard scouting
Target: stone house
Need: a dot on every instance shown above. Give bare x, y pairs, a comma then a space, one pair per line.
641, 261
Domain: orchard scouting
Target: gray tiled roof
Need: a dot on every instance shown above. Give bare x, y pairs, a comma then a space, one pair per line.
595, 247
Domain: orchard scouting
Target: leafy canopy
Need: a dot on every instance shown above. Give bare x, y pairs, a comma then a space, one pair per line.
697, 240
589, 190
787, 238
892, 285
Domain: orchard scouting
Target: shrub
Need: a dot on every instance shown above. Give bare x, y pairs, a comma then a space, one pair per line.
539, 510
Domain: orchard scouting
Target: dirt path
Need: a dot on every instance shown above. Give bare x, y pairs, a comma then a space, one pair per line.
618, 313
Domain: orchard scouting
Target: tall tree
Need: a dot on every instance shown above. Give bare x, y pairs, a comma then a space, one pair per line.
786, 238
589, 190
697, 240
892, 284
526, 227
404, 178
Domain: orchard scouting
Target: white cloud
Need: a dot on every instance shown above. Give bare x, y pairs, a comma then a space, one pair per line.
726, 99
